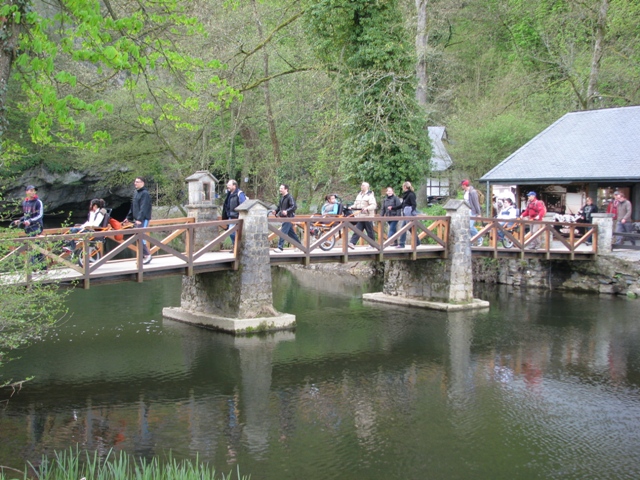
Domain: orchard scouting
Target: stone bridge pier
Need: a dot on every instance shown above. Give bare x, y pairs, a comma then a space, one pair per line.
236, 301
436, 284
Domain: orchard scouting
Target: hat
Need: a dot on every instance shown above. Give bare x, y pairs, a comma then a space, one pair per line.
30, 187
531, 193
616, 192
465, 183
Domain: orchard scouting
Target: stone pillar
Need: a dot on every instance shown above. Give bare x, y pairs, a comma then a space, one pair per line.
236, 301
437, 284
604, 221
460, 275
204, 213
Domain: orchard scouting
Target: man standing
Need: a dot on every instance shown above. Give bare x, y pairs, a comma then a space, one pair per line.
625, 224
140, 212
365, 206
471, 197
32, 212
535, 210
391, 206
286, 208
235, 197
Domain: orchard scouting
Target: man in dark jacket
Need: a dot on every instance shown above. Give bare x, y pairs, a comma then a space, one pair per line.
286, 208
234, 198
391, 206
32, 212
140, 212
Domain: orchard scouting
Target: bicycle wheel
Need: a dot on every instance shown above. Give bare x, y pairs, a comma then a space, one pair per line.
328, 244
94, 255
507, 243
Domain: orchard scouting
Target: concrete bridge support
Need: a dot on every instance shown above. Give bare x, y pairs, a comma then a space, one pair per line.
604, 221
437, 284
238, 301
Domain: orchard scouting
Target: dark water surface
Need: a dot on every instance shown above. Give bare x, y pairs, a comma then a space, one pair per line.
543, 385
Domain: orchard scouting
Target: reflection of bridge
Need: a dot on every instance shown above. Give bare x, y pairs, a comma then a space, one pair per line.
178, 250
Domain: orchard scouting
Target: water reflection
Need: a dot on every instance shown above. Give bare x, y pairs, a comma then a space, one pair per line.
541, 386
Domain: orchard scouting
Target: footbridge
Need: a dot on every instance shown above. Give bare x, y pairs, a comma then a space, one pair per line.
232, 282
176, 249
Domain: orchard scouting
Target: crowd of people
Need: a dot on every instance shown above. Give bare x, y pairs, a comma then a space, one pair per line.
32, 219
363, 207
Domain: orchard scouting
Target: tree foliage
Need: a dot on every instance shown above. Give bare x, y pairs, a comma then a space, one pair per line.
67, 55
28, 312
366, 46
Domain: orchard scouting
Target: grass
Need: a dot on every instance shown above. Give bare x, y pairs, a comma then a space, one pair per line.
74, 465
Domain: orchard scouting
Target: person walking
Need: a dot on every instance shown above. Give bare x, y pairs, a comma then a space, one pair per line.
32, 212
586, 212
471, 197
140, 212
625, 223
409, 208
391, 206
234, 198
286, 209
536, 210
365, 206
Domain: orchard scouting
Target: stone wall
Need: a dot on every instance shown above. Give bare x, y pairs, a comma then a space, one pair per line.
608, 274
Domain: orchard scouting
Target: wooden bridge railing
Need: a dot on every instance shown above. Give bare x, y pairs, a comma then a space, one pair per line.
317, 231
172, 237
497, 235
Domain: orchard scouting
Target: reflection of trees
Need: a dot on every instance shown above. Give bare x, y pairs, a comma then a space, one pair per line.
364, 379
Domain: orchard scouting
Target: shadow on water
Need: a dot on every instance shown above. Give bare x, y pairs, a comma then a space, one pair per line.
542, 385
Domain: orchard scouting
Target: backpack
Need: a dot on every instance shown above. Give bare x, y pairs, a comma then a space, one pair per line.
480, 197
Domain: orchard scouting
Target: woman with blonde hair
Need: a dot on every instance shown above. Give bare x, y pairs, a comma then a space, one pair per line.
408, 208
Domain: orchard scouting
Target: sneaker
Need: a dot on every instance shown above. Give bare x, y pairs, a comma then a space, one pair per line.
146, 259
351, 245
371, 248
399, 246
277, 250
479, 242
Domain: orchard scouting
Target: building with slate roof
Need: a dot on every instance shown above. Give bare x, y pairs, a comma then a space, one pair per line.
586, 153
438, 181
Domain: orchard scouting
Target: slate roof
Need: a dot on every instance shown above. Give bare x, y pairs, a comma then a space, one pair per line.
593, 145
440, 158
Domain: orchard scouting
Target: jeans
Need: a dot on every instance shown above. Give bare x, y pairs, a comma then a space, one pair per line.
145, 249
287, 229
393, 227
626, 227
472, 228
367, 227
407, 212
233, 235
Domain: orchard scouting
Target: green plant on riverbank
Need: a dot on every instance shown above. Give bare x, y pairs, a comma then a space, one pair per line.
28, 311
72, 464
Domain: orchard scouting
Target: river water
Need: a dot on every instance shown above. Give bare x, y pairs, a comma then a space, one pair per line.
543, 385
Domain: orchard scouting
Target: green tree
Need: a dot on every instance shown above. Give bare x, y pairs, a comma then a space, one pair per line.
66, 53
366, 46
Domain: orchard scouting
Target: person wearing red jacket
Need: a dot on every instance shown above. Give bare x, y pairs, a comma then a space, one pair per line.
535, 210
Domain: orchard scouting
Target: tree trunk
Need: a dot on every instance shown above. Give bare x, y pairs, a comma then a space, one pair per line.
9, 34
275, 144
598, 47
421, 52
